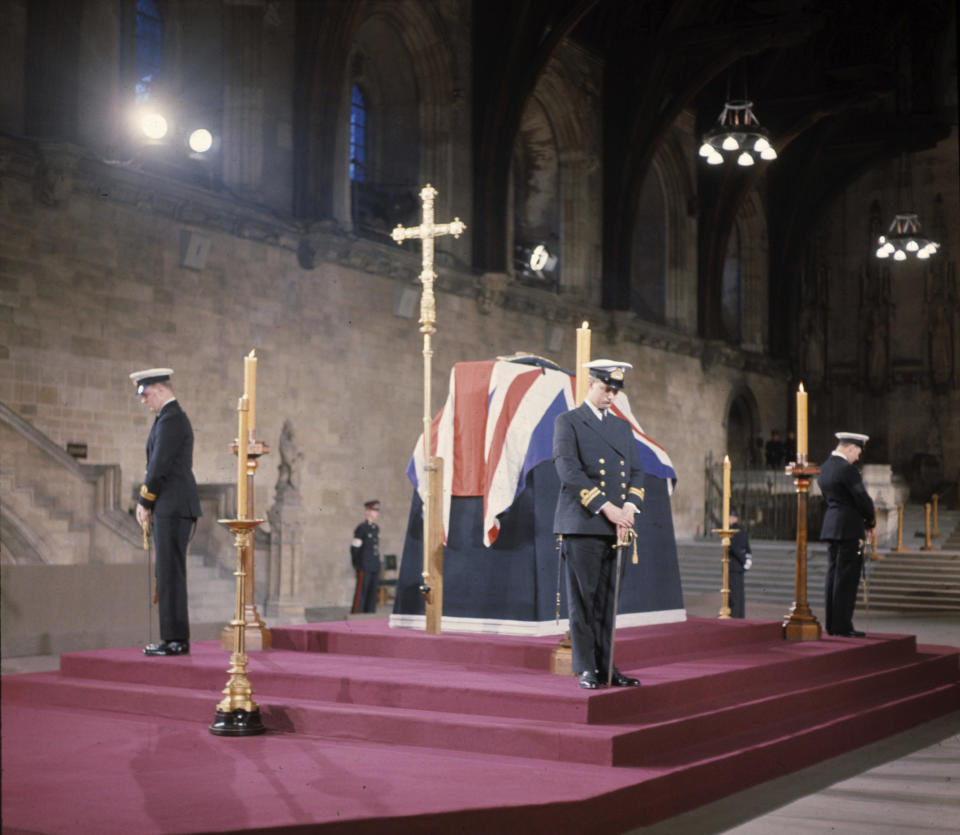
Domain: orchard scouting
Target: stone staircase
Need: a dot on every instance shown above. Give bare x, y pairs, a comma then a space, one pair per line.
916, 580
211, 591
913, 580
771, 579
56, 510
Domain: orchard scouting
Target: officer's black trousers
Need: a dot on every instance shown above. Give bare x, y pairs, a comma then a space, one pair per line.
171, 535
591, 570
844, 565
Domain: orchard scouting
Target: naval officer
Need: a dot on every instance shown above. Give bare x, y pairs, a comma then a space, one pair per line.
170, 503
601, 488
849, 512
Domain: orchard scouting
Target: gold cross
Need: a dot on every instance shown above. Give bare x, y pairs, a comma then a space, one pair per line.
426, 232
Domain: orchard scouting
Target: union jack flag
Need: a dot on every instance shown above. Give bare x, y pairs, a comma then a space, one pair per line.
497, 425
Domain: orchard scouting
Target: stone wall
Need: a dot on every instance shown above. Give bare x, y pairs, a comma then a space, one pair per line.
93, 288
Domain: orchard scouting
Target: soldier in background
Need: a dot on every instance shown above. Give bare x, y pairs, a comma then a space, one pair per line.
365, 556
740, 561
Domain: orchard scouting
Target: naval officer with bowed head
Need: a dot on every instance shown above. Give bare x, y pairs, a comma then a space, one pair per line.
169, 501
601, 488
849, 513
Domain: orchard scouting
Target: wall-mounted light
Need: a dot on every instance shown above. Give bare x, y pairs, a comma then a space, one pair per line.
200, 141
536, 260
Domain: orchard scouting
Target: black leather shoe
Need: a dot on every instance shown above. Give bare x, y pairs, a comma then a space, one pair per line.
853, 633
168, 648
588, 680
620, 680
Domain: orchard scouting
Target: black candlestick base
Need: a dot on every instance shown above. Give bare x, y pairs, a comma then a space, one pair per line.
237, 723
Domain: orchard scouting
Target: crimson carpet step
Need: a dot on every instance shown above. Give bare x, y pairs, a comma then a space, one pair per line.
452, 733
678, 685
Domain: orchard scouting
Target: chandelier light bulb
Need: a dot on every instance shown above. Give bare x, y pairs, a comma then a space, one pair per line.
768, 153
923, 254
900, 255
761, 145
705, 150
882, 252
730, 143
912, 246
714, 158
745, 159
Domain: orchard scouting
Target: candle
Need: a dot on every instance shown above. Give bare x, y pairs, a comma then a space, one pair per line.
801, 425
250, 388
243, 406
583, 356
726, 493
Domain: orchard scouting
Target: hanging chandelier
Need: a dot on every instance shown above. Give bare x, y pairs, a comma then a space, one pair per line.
904, 238
737, 135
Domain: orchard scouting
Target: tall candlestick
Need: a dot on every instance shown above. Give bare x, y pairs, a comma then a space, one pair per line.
725, 524
243, 406
801, 424
250, 388
583, 356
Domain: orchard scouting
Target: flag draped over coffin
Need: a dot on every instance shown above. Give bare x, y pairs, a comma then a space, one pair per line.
497, 425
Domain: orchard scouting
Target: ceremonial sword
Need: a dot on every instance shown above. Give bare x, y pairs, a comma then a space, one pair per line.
629, 536
145, 530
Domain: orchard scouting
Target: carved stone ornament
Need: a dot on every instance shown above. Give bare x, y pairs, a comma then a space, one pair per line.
490, 291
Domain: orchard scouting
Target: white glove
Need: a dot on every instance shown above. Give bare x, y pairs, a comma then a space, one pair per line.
747, 563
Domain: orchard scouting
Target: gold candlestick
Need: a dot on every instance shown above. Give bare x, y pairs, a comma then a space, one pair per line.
801, 624
237, 713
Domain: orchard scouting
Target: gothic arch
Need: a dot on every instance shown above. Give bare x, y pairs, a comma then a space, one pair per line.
324, 130
565, 91
669, 189
741, 423
755, 265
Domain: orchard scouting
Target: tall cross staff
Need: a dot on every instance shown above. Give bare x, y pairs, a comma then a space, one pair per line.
426, 232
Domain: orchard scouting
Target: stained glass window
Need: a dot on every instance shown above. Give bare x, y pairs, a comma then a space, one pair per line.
149, 48
358, 136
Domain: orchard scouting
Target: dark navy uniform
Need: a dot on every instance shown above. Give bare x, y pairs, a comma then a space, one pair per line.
849, 511
365, 556
739, 553
170, 491
597, 462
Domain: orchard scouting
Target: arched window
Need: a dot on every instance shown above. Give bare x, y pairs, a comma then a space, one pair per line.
649, 262
358, 135
148, 49
731, 310
536, 199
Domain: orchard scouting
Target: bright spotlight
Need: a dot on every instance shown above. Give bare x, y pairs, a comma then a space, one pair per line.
153, 125
201, 140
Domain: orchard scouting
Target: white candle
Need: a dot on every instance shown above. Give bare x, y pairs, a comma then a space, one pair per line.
242, 409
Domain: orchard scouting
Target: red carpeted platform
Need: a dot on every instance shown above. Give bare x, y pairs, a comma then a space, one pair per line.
373, 730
